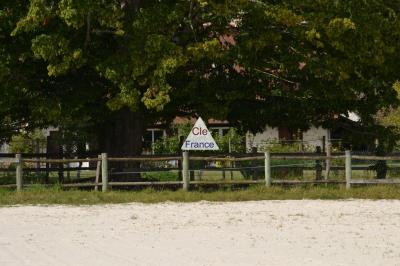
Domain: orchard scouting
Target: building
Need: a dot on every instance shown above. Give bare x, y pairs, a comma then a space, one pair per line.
308, 140
159, 131
4, 148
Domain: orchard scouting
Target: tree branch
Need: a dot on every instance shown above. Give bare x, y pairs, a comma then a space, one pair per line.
190, 21
275, 76
87, 39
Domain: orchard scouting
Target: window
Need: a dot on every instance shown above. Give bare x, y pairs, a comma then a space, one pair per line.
151, 136
221, 131
289, 134
147, 139
225, 131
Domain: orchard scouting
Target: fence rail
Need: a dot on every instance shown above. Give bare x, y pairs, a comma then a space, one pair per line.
141, 159
103, 169
375, 181
61, 160
376, 158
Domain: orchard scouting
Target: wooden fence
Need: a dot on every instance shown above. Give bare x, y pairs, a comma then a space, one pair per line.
103, 169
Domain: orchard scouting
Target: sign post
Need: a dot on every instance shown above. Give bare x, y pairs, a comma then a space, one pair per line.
185, 170
199, 139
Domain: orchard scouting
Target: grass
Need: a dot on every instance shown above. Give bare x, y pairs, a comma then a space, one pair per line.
55, 195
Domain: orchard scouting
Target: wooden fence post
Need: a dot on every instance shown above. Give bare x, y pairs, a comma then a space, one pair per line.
104, 171
37, 151
318, 166
348, 169
267, 170
185, 170
98, 169
328, 160
19, 171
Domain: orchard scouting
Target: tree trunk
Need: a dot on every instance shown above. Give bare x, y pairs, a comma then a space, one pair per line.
121, 136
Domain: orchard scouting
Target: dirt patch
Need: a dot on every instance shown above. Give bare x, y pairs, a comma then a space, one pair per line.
354, 232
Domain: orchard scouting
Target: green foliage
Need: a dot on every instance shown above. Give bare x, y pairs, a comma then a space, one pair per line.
170, 144
37, 14
26, 142
253, 63
56, 50
167, 145
232, 141
390, 117
279, 146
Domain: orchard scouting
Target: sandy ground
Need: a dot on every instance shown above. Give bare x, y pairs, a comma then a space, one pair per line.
355, 232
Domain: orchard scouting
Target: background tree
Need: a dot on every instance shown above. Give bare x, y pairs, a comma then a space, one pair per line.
106, 69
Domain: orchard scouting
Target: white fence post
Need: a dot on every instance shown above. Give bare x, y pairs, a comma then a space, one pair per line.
104, 171
185, 170
267, 170
19, 171
348, 169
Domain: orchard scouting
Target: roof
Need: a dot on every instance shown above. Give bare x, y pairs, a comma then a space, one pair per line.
183, 120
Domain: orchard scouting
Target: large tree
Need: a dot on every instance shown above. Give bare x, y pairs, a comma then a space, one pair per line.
109, 68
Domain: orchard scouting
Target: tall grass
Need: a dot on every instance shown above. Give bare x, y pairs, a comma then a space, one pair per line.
56, 195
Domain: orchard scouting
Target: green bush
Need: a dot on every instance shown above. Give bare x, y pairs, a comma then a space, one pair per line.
279, 146
170, 144
24, 142
167, 145
234, 139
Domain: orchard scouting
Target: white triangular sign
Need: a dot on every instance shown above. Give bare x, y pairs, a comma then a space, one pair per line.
200, 138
